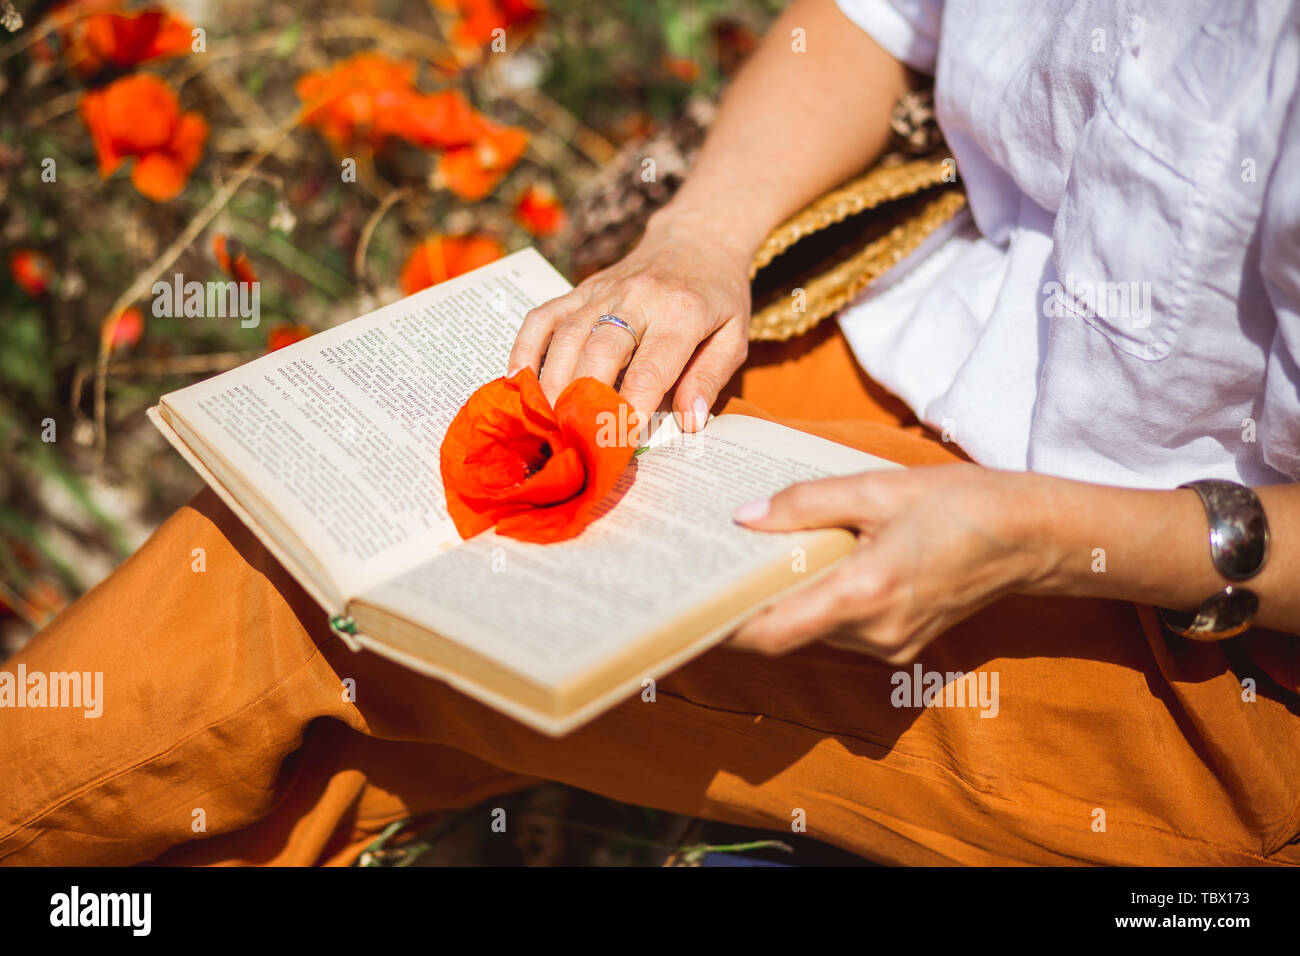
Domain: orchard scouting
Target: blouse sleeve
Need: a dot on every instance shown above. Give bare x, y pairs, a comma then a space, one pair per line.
907, 29
1279, 425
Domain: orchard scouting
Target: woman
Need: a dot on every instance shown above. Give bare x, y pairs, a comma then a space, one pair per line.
1101, 155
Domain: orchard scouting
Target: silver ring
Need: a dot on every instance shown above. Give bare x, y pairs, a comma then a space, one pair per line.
616, 321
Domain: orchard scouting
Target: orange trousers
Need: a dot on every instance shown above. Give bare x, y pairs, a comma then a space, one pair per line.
223, 706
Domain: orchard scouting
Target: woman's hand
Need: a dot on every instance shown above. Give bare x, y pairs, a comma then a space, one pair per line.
938, 543
935, 545
684, 289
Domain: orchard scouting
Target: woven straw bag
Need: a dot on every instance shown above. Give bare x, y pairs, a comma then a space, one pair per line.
816, 261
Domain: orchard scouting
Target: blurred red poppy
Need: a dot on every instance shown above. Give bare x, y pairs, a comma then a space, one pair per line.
345, 102
732, 43
534, 472
681, 67
439, 258
139, 116
233, 260
476, 20
539, 211
371, 98
281, 335
94, 34
473, 171
124, 329
32, 271
437, 120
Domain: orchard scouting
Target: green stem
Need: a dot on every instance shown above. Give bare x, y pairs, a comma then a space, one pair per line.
426, 839
291, 257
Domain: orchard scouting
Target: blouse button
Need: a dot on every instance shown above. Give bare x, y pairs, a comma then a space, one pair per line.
1133, 34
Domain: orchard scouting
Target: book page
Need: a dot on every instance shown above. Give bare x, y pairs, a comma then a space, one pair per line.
666, 543
339, 434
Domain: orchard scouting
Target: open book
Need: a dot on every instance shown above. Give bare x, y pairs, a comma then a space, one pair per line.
328, 450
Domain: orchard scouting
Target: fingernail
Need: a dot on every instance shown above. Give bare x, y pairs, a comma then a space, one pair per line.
700, 409
752, 510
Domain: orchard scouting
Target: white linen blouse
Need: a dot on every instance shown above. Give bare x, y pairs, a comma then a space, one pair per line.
1121, 303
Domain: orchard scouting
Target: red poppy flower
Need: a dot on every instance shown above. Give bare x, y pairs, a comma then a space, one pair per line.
732, 43
124, 329
345, 102
94, 34
139, 116
535, 473
371, 98
32, 271
538, 211
282, 335
439, 258
478, 19
681, 67
233, 260
473, 171
437, 120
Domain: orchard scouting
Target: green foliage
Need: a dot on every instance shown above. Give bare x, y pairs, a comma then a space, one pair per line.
24, 349
298, 222
607, 55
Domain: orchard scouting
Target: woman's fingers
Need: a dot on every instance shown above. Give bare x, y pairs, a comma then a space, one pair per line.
568, 339
817, 609
844, 501
535, 332
675, 326
609, 348
707, 373
656, 365
858, 604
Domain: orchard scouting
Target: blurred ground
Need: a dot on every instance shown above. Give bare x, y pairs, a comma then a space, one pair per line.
103, 102
90, 83
554, 825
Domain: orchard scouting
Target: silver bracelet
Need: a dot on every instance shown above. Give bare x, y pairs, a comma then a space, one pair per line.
1238, 548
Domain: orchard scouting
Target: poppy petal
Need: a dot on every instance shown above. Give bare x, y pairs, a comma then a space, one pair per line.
159, 176
536, 473
582, 409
